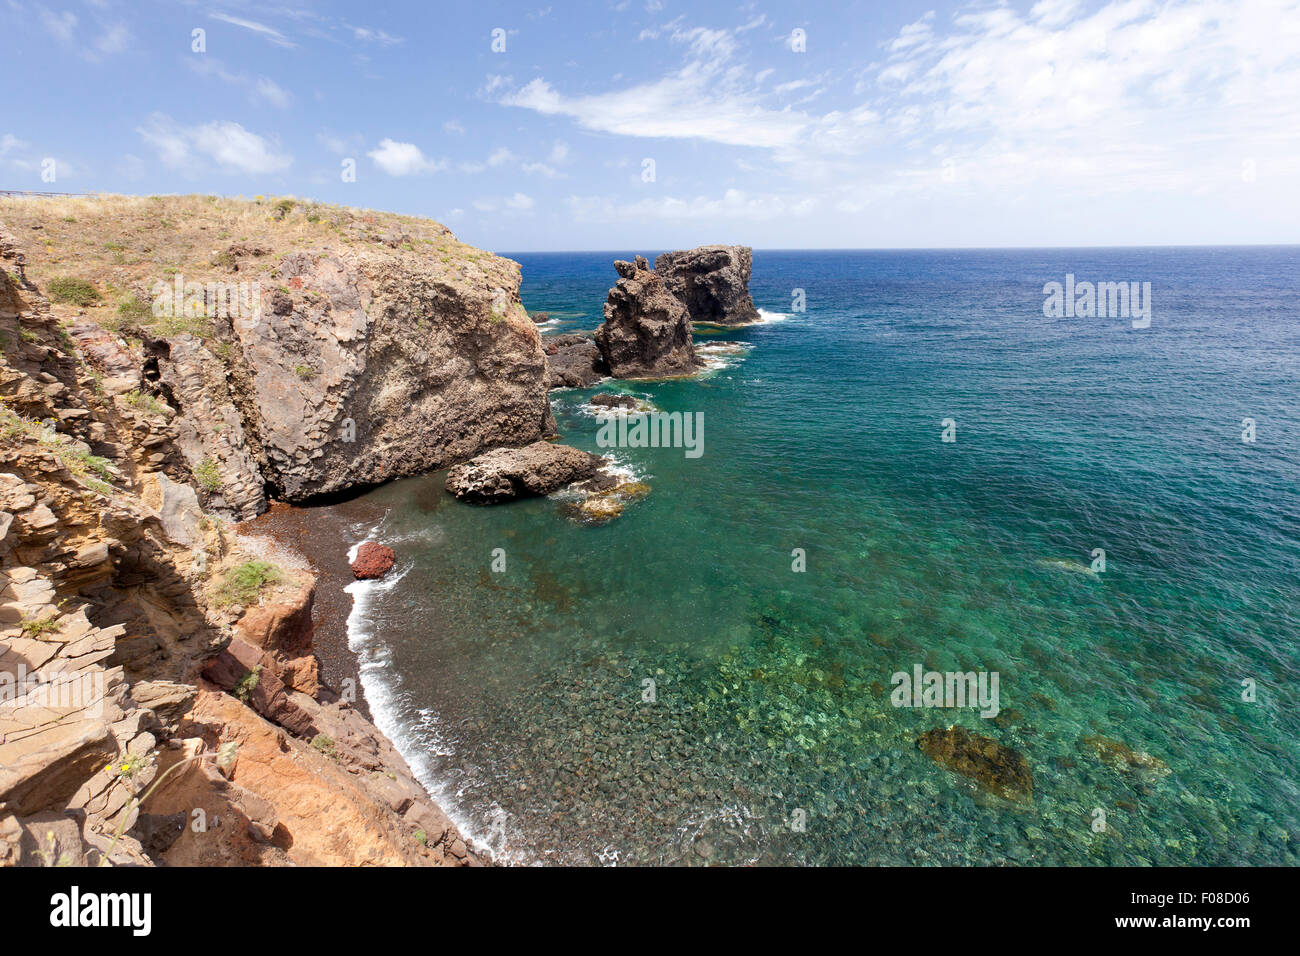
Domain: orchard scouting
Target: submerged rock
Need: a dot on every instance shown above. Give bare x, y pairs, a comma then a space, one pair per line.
606, 504
647, 331
504, 474
998, 769
573, 361
1120, 756
373, 561
712, 282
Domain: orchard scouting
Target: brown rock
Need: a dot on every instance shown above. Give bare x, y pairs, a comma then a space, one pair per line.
712, 282
373, 561
647, 331
998, 769
508, 473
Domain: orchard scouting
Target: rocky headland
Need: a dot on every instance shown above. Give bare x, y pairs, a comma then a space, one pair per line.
160, 699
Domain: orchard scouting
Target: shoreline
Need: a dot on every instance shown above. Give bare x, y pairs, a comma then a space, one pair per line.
323, 545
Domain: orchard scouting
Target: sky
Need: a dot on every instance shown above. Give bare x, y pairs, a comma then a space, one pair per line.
659, 124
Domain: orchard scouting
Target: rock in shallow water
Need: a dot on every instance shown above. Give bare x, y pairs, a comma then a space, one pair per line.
996, 768
573, 361
504, 474
373, 561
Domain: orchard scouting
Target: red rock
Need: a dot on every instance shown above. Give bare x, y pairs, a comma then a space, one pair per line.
373, 561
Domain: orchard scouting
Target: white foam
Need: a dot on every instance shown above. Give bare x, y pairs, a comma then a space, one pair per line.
765, 317
717, 356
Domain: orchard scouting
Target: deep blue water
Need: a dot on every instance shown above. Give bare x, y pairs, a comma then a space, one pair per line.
519, 695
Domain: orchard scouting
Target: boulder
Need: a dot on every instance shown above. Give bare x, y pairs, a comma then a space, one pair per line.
998, 769
712, 282
647, 330
504, 474
373, 561
609, 400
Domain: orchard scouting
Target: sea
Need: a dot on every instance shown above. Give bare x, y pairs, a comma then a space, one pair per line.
913, 466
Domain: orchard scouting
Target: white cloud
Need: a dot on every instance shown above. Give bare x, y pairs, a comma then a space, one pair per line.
229, 145
272, 34
705, 99
370, 35
519, 202
733, 205
403, 159
270, 92
260, 89
115, 39
61, 26
9, 142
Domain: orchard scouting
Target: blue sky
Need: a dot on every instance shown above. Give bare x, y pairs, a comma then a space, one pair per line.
892, 124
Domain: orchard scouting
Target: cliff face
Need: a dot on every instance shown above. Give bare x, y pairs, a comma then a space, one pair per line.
376, 364
159, 697
300, 350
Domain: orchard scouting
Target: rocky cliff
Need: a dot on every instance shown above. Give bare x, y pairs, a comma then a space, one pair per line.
647, 331
159, 695
298, 350
712, 282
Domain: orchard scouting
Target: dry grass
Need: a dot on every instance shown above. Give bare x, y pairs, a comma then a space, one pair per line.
123, 245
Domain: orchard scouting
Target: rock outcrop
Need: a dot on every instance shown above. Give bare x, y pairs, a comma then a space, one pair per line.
573, 361
712, 282
505, 474
311, 358
647, 330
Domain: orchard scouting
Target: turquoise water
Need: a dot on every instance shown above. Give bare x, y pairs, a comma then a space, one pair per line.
772, 737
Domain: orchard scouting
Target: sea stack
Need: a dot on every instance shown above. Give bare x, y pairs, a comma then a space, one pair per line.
712, 282
647, 330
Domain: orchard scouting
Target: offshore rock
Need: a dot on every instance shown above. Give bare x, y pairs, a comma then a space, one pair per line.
712, 282
647, 330
373, 561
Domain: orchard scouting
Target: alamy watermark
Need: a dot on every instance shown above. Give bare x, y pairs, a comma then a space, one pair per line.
922, 688
192, 300
1105, 300
58, 691
652, 430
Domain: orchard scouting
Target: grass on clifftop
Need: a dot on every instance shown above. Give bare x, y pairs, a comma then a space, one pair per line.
104, 254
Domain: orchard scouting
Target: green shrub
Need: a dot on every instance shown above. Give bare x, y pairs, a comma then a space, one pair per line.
207, 475
35, 627
135, 309
243, 584
72, 290
144, 402
248, 683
